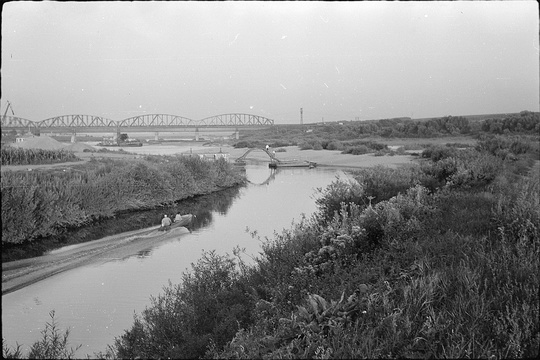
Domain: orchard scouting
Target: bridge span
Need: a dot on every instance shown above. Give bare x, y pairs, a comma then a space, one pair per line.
144, 122
272, 156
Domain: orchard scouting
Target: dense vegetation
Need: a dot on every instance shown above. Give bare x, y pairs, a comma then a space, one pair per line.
338, 136
439, 259
17, 156
42, 203
436, 259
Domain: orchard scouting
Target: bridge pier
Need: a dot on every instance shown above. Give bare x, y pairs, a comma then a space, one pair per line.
74, 137
156, 136
196, 134
236, 134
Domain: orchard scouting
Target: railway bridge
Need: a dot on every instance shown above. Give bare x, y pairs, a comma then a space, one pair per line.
146, 122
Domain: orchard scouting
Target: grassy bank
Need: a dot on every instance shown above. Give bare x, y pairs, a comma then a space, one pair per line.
434, 260
43, 203
437, 259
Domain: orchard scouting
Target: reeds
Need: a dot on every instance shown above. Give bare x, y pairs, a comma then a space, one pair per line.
38, 204
18, 156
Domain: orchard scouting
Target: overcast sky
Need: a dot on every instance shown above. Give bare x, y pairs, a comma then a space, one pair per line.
336, 60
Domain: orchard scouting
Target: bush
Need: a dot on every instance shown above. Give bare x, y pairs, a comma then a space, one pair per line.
502, 146
382, 183
337, 193
210, 306
334, 145
466, 168
246, 144
310, 145
304, 145
356, 150
438, 152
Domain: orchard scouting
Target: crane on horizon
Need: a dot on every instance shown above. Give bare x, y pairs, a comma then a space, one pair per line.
9, 106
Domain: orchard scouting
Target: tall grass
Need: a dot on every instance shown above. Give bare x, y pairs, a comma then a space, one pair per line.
424, 273
18, 156
38, 204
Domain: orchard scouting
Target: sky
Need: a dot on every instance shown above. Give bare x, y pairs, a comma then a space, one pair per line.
335, 60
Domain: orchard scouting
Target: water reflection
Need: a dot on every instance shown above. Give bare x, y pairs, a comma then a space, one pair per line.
270, 178
200, 206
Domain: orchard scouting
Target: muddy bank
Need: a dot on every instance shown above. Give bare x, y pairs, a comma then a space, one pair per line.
21, 273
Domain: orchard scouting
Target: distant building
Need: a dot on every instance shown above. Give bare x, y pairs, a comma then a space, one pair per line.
24, 137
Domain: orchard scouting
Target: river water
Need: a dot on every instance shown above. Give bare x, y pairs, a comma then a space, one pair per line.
97, 301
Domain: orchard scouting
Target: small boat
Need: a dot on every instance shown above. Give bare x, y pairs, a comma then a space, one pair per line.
308, 164
184, 221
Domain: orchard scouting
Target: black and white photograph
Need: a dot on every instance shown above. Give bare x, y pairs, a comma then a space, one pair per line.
270, 179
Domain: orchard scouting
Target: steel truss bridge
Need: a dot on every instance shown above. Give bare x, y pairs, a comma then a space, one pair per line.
140, 122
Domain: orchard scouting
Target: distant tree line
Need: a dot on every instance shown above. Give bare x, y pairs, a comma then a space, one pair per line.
448, 125
526, 122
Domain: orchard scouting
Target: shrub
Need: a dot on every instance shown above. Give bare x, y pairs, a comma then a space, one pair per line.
245, 144
310, 145
210, 306
382, 183
356, 150
304, 145
334, 145
337, 193
503, 145
438, 152
466, 168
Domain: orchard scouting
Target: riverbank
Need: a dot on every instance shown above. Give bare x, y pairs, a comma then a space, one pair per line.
326, 158
53, 200
380, 280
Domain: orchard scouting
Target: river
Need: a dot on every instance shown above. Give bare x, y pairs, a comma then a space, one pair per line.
97, 301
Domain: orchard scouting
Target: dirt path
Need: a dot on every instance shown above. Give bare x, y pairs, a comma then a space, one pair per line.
21, 273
